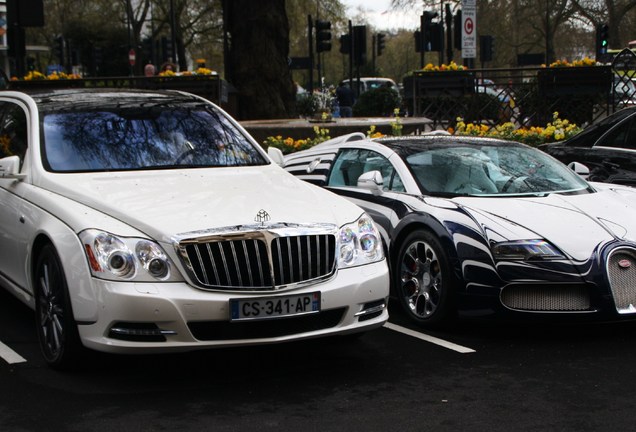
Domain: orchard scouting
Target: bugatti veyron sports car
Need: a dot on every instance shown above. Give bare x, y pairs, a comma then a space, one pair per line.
486, 227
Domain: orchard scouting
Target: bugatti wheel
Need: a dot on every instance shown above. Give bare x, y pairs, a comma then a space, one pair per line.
423, 280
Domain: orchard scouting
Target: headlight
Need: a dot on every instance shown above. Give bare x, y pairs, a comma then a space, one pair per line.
526, 250
128, 258
359, 243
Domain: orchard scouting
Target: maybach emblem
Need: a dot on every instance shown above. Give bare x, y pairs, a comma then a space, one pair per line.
262, 216
624, 263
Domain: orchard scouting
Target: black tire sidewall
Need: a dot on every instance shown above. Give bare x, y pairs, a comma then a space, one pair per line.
70, 345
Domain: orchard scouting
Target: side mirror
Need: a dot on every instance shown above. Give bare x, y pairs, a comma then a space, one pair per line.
372, 181
10, 168
580, 169
276, 155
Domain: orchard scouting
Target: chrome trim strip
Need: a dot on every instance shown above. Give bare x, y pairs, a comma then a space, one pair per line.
374, 309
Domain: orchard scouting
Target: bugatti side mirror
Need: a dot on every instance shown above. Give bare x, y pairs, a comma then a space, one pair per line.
371, 180
580, 169
276, 155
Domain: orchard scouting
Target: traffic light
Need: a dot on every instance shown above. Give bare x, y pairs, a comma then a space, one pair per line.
345, 43
147, 50
359, 45
486, 47
379, 42
58, 49
435, 36
323, 36
429, 37
166, 48
98, 56
602, 39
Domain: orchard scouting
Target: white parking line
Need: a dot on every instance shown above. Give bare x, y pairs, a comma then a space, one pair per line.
431, 339
9, 355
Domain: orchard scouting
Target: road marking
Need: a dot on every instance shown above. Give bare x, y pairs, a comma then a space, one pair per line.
428, 338
9, 355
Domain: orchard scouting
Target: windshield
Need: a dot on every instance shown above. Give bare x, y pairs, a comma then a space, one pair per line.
137, 138
489, 170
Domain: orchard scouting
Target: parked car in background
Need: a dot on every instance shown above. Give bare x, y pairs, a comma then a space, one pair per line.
485, 227
606, 148
143, 222
370, 83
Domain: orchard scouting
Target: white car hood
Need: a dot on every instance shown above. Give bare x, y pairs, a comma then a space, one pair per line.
576, 224
165, 203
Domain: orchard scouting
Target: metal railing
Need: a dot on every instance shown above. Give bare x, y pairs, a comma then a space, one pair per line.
523, 96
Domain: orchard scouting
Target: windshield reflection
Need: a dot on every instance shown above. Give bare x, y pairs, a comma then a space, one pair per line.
144, 138
491, 170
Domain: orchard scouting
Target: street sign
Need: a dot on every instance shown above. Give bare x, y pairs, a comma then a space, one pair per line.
132, 57
469, 28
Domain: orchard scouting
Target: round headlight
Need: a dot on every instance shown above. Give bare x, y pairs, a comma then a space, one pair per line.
122, 264
158, 268
347, 253
368, 243
153, 259
347, 235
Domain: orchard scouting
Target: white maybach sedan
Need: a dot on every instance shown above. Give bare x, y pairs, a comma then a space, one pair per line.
143, 222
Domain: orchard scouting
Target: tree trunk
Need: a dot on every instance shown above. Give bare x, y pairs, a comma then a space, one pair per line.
257, 34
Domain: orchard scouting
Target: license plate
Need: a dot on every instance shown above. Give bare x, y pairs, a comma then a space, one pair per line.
274, 307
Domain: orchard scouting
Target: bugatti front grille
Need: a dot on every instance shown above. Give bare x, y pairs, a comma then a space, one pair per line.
245, 263
621, 271
542, 298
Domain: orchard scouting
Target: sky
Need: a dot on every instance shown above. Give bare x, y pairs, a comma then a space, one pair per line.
380, 15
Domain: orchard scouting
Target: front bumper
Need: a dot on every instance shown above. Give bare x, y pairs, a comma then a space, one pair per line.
166, 317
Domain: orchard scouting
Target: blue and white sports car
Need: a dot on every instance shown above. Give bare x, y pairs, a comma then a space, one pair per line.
486, 227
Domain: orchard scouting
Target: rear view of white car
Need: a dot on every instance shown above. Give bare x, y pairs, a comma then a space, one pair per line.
137, 222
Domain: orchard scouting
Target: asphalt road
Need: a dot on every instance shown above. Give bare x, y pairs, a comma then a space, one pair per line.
475, 377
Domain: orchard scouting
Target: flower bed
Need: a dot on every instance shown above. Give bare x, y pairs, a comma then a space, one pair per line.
556, 130
290, 145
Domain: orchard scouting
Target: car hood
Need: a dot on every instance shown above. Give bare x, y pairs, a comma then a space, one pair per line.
576, 224
165, 203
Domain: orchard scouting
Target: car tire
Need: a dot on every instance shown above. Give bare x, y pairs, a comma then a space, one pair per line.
424, 281
56, 329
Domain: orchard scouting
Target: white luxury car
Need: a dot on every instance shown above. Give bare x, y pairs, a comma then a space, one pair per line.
137, 221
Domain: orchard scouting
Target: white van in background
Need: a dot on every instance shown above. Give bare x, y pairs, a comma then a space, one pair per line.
370, 83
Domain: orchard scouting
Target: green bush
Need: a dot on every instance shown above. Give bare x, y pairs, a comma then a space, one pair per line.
378, 102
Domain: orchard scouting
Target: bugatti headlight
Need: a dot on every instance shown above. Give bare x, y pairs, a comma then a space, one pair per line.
359, 243
126, 258
526, 250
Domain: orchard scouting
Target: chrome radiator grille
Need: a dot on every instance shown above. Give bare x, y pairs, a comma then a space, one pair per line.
260, 262
564, 298
621, 271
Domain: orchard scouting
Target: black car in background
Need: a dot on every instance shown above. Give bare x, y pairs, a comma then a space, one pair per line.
607, 148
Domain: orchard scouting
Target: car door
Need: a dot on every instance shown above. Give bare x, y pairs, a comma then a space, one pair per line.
349, 165
13, 210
